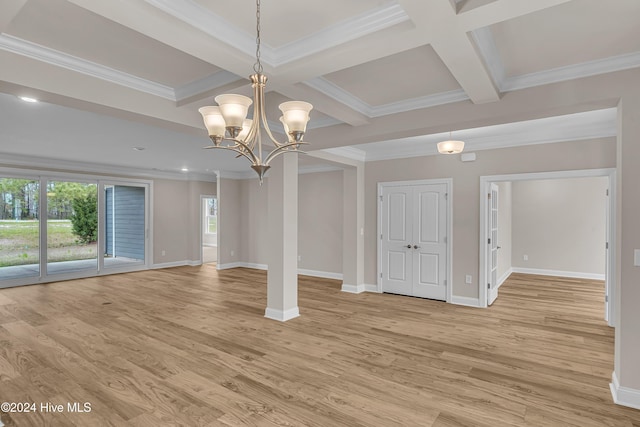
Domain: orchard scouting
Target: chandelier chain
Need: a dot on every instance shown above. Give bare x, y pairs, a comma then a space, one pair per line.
257, 67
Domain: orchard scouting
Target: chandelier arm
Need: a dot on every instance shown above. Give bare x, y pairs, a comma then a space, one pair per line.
283, 149
240, 148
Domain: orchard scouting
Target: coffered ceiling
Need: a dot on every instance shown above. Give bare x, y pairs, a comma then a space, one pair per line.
142, 68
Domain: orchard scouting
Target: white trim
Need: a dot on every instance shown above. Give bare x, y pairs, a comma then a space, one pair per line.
466, 301
371, 288
205, 84
204, 19
254, 265
194, 263
322, 274
489, 51
169, 264
318, 169
229, 265
449, 189
346, 98
348, 152
559, 273
624, 396
280, 315
485, 182
353, 289
60, 59
504, 277
571, 72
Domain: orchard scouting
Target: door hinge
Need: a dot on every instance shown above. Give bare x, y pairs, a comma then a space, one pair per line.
381, 236
489, 196
489, 241
607, 191
381, 275
606, 245
446, 196
381, 198
606, 298
488, 285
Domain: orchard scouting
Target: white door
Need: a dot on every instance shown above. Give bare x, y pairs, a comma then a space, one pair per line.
492, 244
414, 240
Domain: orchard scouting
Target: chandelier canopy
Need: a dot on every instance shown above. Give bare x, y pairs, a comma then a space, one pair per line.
229, 128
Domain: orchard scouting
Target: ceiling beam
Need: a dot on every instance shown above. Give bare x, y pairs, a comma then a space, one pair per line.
502, 10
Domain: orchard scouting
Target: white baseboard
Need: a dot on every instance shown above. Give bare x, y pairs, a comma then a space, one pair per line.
353, 289
469, 302
371, 288
623, 395
228, 265
194, 263
169, 264
559, 273
254, 266
504, 277
317, 273
280, 315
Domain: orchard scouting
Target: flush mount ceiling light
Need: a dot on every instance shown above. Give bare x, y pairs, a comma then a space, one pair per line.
230, 129
451, 146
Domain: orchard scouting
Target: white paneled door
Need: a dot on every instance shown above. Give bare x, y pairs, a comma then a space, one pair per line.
413, 240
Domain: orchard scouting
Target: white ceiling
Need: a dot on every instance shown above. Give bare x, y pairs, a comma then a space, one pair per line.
116, 75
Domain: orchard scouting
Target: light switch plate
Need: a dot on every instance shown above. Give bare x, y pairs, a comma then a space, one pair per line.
636, 257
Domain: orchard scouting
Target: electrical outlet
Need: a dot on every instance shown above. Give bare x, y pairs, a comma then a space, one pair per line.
636, 257
525, 257
299, 257
467, 279
164, 252
232, 253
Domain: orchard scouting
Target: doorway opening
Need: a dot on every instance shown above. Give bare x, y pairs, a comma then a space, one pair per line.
209, 229
602, 257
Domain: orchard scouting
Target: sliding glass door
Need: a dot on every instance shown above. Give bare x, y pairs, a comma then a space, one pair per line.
19, 228
72, 226
88, 227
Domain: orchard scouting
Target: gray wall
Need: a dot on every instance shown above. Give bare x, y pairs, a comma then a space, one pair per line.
596, 153
560, 225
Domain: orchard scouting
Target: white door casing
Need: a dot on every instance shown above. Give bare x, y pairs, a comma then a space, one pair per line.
492, 244
413, 223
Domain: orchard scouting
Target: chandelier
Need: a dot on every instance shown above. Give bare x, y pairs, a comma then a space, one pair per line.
229, 128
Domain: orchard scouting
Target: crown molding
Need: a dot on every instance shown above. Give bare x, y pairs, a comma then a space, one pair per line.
197, 87
571, 72
73, 63
318, 169
573, 127
384, 16
338, 94
48, 164
214, 25
348, 152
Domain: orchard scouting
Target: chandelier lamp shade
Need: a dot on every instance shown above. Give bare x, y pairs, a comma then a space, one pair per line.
230, 129
450, 146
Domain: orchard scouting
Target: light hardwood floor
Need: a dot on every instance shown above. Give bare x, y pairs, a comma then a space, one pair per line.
189, 346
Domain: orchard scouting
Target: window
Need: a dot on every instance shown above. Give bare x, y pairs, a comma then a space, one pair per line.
211, 215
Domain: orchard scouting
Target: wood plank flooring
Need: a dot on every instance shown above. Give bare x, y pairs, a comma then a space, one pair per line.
189, 346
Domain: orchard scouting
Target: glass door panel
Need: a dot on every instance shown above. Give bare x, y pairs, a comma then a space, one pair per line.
19, 228
125, 225
72, 227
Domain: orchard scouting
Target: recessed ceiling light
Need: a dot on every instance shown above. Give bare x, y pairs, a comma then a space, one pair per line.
184, 170
139, 148
27, 99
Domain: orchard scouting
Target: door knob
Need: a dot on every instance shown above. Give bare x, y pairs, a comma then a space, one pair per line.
408, 246
416, 247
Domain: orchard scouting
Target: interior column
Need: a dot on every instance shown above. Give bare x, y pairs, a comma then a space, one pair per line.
353, 226
282, 211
